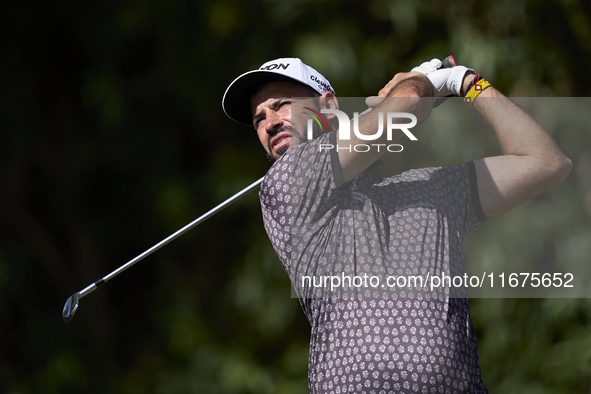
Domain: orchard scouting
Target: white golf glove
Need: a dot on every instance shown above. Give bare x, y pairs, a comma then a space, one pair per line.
428, 67
445, 81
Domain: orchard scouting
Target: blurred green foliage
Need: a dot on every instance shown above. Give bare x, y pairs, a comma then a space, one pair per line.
113, 138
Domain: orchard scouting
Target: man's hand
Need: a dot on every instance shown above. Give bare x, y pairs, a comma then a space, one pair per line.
445, 81
410, 92
428, 67
410, 84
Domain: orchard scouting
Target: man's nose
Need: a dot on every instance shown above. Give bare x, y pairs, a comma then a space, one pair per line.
272, 121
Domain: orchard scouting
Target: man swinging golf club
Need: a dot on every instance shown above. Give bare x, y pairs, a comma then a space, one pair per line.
327, 216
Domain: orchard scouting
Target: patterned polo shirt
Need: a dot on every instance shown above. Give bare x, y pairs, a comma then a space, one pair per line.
365, 338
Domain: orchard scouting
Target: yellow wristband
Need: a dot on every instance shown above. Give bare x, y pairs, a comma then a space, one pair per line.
475, 90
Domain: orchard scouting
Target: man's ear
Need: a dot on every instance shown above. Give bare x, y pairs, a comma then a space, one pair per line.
329, 101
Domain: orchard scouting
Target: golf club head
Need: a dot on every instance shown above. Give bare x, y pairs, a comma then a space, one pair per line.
70, 307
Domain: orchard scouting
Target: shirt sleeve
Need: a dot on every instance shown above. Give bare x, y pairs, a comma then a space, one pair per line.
462, 197
474, 192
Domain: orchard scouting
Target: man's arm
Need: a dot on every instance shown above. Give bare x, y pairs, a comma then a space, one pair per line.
407, 88
531, 162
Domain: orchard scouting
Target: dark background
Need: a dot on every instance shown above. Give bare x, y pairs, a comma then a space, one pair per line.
113, 137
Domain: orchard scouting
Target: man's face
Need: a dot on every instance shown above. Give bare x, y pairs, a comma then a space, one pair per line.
271, 110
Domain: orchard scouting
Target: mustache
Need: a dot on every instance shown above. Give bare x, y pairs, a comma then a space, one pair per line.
278, 130
281, 129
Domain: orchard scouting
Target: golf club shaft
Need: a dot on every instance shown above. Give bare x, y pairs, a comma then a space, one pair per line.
89, 289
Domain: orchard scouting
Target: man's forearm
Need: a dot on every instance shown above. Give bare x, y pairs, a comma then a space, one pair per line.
531, 163
518, 134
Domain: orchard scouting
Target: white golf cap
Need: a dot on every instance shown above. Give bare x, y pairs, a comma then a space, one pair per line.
236, 101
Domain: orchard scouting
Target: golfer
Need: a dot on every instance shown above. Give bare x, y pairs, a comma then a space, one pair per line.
327, 215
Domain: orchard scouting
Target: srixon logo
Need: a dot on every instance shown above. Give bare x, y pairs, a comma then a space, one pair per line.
391, 119
275, 66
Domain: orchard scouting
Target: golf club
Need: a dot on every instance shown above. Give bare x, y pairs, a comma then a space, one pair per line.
73, 302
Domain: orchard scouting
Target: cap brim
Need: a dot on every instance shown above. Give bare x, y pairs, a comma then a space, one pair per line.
236, 101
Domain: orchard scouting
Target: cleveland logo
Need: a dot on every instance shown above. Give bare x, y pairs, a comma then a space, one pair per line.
321, 83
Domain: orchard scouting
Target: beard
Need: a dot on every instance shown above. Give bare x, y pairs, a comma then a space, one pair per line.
280, 152
296, 138
294, 141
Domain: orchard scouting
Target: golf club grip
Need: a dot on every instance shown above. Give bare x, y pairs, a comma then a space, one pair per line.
449, 62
